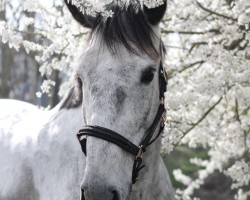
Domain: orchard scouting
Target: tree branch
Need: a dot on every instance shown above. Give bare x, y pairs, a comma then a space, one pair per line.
197, 44
186, 67
237, 116
203, 116
191, 32
214, 13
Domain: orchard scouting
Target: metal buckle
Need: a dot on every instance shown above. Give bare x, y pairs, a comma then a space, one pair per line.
140, 153
165, 75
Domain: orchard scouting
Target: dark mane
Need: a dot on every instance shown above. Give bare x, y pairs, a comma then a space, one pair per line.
128, 28
74, 97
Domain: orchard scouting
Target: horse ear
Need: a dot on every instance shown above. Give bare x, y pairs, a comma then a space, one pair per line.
85, 20
155, 15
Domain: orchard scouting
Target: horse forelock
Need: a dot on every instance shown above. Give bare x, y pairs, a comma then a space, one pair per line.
129, 28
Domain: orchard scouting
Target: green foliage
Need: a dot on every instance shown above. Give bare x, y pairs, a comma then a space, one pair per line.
179, 159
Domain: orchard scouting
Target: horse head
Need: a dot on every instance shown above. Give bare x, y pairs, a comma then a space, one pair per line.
119, 82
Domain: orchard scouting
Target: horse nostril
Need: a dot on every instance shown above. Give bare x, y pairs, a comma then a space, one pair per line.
82, 195
115, 195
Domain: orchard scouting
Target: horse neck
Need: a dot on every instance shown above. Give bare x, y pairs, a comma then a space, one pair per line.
65, 122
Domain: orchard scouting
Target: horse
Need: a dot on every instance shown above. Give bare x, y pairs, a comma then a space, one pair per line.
116, 102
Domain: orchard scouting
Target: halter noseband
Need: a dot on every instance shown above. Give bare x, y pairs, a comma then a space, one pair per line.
122, 142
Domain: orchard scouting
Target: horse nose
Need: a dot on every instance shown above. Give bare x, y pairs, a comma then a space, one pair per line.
100, 193
116, 195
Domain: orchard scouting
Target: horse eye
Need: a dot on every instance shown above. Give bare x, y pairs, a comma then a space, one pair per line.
148, 75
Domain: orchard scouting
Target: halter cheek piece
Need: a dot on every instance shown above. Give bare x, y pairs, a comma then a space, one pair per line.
122, 142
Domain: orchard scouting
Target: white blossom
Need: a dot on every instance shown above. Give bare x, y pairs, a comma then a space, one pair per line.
179, 176
240, 173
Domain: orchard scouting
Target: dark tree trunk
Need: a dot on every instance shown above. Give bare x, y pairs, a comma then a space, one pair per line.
6, 61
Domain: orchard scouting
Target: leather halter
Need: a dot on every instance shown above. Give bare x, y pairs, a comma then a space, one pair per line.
122, 142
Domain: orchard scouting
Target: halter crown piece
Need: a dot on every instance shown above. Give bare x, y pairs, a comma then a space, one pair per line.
122, 142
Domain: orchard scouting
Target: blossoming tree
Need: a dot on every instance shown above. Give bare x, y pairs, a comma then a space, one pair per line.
208, 96
208, 59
